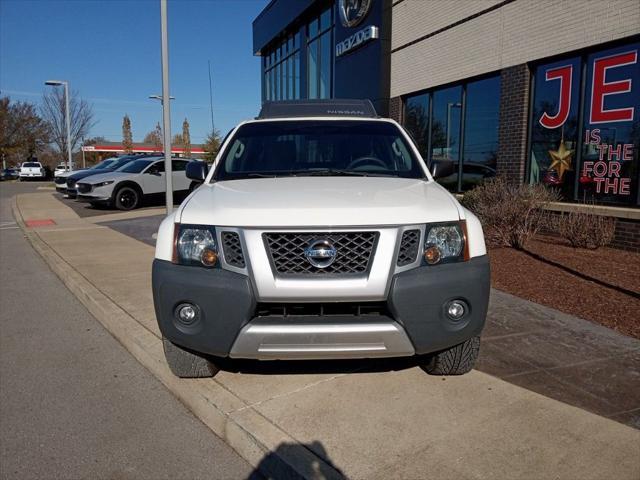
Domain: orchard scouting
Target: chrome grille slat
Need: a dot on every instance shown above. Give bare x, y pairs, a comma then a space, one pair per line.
232, 248
409, 247
354, 252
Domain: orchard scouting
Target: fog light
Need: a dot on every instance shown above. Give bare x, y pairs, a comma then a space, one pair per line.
456, 309
187, 313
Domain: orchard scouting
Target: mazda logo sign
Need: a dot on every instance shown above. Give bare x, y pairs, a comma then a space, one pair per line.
320, 253
352, 12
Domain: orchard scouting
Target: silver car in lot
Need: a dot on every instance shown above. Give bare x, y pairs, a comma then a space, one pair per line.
127, 187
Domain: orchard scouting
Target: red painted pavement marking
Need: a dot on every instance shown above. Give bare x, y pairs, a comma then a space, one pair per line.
39, 223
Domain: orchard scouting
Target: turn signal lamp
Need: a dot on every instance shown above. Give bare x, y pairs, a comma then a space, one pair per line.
209, 257
432, 255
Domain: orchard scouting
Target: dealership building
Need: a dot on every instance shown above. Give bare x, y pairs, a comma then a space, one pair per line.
544, 91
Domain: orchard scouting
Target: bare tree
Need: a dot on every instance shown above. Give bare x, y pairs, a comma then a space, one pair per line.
212, 145
80, 118
127, 136
186, 138
22, 131
155, 138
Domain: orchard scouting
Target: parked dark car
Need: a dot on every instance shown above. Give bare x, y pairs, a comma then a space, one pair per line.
72, 192
9, 174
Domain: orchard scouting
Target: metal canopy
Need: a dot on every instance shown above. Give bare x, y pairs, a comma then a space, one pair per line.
318, 108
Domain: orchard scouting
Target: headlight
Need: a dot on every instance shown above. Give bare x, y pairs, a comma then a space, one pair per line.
102, 184
196, 245
444, 243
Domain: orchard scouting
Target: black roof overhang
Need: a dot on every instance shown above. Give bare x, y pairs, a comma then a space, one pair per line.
318, 108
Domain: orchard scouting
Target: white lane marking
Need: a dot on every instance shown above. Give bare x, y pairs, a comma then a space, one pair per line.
8, 228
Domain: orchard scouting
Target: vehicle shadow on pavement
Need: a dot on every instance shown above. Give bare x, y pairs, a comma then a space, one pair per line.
302, 367
311, 458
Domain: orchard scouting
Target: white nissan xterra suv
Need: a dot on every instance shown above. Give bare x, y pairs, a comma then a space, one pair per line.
319, 233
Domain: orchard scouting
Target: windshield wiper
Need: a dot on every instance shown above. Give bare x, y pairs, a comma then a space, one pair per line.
336, 172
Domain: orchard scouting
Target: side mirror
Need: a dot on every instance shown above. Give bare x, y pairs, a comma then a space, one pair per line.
442, 168
197, 171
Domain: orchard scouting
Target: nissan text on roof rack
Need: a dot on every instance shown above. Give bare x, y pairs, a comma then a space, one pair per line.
319, 233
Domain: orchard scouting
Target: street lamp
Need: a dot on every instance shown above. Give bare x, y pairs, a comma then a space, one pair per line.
166, 110
57, 83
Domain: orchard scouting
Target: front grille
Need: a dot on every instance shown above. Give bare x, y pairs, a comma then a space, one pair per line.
321, 309
60, 181
83, 187
71, 183
354, 252
232, 248
409, 246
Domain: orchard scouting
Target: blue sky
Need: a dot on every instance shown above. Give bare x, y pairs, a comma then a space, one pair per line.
109, 51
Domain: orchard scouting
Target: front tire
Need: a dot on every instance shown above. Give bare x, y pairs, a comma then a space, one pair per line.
127, 198
186, 364
456, 360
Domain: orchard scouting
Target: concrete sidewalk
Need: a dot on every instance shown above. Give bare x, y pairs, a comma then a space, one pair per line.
324, 420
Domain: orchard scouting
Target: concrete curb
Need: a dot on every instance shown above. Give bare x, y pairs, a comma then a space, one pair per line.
248, 432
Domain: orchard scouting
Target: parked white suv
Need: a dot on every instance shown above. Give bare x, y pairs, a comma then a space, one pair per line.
32, 170
126, 187
319, 233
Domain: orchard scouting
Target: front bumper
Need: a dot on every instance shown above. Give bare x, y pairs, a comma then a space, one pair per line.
229, 326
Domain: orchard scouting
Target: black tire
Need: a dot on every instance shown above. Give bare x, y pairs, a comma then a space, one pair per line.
456, 360
127, 198
185, 364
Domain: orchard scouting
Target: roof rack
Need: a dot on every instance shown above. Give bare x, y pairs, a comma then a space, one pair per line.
318, 108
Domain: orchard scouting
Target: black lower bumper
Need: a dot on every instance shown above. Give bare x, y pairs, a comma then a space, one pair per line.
227, 303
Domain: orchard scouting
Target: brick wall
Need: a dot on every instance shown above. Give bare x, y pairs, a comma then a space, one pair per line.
512, 133
395, 109
515, 33
627, 235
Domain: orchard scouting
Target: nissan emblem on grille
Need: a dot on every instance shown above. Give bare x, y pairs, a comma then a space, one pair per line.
320, 253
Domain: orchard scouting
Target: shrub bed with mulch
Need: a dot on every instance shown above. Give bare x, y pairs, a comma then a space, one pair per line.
600, 285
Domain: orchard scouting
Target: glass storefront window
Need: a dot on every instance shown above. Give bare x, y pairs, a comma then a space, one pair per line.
611, 128
438, 133
554, 133
482, 118
320, 56
416, 120
281, 79
445, 133
325, 63
312, 69
595, 159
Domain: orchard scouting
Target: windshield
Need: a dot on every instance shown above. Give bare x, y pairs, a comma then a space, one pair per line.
104, 164
135, 166
31, 164
318, 147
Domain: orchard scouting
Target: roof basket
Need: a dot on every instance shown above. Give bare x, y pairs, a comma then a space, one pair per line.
318, 108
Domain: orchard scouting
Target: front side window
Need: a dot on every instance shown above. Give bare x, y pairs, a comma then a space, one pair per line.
135, 166
309, 148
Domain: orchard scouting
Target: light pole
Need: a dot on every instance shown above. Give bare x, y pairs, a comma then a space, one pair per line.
166, 107
56, 83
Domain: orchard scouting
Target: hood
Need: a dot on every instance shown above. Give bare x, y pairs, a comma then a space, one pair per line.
78, 175
97, 177
320, 201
